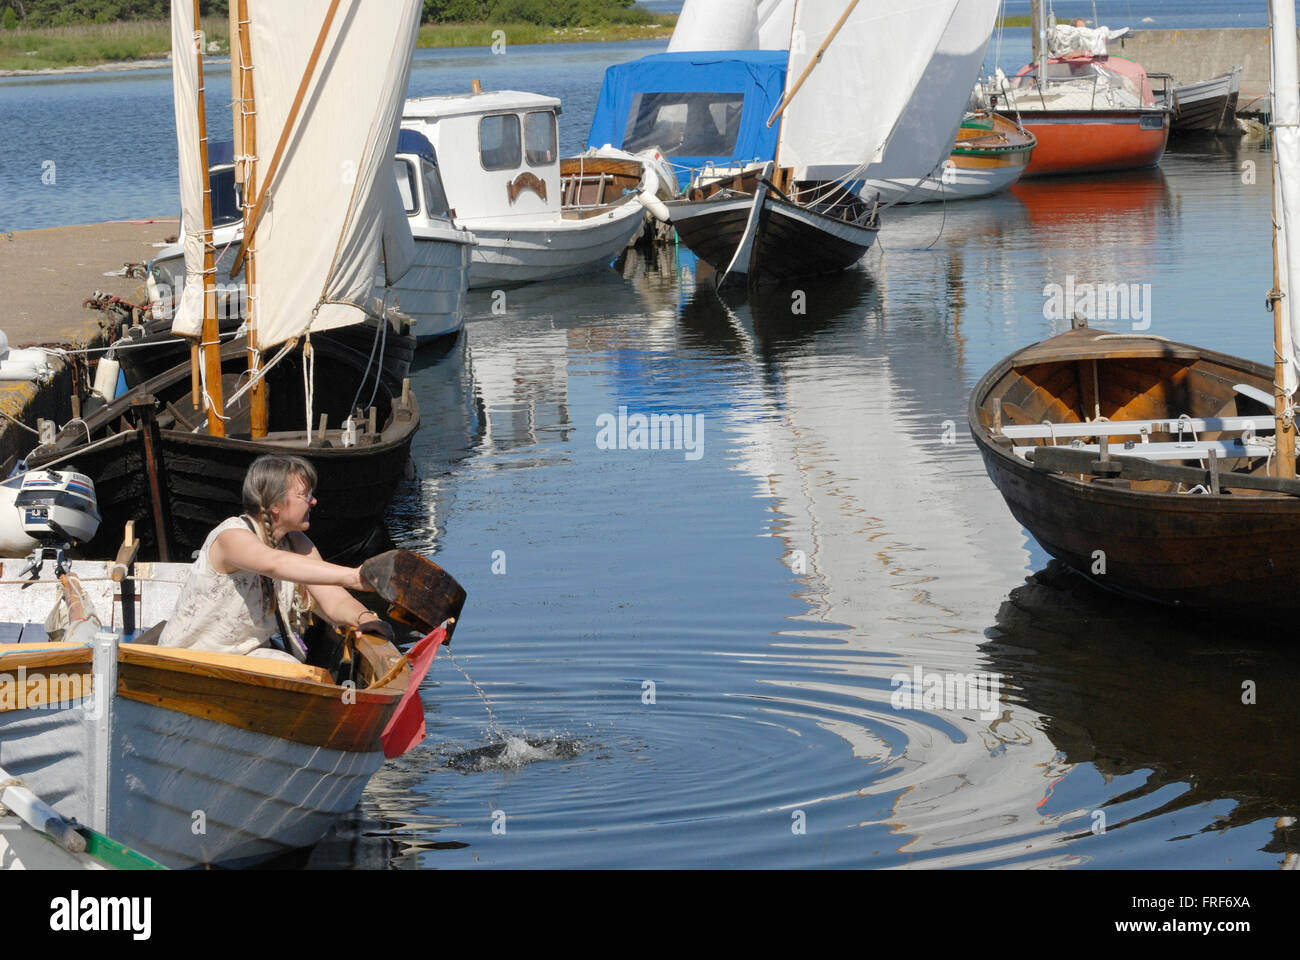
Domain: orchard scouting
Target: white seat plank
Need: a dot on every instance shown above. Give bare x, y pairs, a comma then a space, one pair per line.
1122, 428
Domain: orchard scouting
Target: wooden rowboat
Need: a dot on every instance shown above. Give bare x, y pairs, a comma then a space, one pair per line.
191, 757
1178, 506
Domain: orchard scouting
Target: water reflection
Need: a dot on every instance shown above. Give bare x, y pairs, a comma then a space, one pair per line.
1187, 717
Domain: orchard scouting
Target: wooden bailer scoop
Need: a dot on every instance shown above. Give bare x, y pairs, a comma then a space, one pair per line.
419, 592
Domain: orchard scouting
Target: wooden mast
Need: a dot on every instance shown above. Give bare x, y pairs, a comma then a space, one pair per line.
210, 339
1284, 421
1038, 31
257, 401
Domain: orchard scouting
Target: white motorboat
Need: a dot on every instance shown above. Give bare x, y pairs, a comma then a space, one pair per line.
501, 169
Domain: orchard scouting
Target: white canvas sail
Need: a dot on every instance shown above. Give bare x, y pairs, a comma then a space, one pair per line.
733, 25
185, 99
328, 216
928, 128
849, 104
715, 25
1286, 182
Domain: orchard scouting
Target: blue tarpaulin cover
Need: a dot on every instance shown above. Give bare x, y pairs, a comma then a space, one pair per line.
758, 75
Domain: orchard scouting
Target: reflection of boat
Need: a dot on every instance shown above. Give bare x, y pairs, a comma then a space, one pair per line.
501, 171
1084, 660
800, 215
1089, 112
1207, 106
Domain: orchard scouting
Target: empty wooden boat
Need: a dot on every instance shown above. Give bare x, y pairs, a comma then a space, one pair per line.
1208, 106
1144, 465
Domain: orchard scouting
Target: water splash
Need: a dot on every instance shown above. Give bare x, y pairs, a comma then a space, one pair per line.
513, 753
492, 718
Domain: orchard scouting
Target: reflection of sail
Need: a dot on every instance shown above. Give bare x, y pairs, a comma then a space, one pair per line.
1134, 691
898, 542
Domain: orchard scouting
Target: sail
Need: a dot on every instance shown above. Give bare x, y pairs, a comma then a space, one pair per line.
328, 214
732, 25
1286, 183
715, 25
928, 128
847, 107
185, 100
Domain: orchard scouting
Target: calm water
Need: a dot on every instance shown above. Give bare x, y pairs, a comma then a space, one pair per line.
692, 657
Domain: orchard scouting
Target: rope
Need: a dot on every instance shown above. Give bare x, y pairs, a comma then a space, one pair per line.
382, 332
308, 381
14, 420
262, 372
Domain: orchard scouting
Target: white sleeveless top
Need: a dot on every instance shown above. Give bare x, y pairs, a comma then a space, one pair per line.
224, 612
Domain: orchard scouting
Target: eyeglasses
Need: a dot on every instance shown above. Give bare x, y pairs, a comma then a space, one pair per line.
308, 497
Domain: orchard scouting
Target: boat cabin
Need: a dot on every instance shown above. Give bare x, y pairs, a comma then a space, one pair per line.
499, 151
419, 181
698, 108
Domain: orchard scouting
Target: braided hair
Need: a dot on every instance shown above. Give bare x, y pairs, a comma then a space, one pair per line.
265, 485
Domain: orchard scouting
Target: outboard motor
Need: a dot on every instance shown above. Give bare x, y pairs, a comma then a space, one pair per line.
56, 508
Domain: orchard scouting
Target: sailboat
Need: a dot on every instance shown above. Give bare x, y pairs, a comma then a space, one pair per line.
1089, 111
321, 214
1156, 468
850, 73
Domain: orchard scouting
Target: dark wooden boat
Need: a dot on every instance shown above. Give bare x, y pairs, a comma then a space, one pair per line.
153, 462
747, 229
1144, 465
149, 350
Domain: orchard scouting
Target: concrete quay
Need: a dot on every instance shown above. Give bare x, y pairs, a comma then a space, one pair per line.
1192, 55
45, 278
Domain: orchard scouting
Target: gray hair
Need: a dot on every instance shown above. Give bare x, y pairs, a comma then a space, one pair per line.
267, 483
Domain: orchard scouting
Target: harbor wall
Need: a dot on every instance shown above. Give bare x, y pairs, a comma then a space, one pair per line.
1191, 55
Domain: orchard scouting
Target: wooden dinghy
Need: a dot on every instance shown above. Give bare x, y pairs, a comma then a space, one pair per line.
1144, 465
195, 758
153, 463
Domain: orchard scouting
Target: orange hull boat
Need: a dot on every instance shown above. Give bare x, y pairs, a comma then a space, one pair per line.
1074, 142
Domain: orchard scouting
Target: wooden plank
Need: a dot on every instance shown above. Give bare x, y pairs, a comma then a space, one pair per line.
198, 661
1070, 460
420, 591
1172, 450
1260, 424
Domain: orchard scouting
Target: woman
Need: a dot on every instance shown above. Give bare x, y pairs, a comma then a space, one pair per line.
257, 575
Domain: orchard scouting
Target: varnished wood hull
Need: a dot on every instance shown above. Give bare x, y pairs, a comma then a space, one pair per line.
1232, 554
203, 475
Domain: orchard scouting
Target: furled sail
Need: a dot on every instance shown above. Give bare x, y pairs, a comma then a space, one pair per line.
185, 99
845, 110
1286, 183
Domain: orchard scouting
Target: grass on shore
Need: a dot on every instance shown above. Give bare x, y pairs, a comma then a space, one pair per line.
89, 45
1019, 21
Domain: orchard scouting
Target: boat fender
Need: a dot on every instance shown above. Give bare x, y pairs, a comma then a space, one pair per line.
106, 375
658, 209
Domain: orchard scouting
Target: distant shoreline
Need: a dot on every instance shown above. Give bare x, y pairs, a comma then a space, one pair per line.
432, 36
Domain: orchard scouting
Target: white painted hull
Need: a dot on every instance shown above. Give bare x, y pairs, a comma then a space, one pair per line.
432, 292
966, 184
255, 796
506, 254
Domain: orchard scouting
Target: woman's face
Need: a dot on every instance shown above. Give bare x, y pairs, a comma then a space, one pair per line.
293, 512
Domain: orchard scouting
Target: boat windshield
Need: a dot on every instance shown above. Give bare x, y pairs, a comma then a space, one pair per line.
225, 201
685, 124
405, 176
435, 197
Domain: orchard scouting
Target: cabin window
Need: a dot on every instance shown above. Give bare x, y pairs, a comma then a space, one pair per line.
539, 138
435, 197
498, 142
685, 124
225, 201
405, 175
